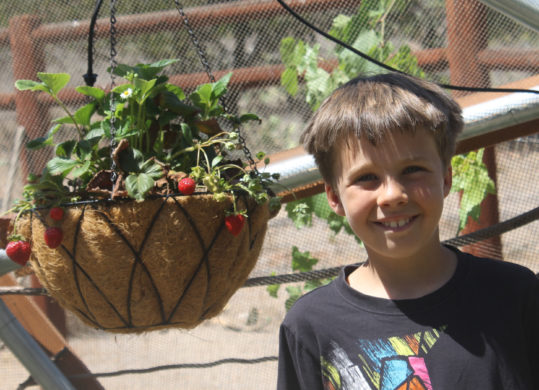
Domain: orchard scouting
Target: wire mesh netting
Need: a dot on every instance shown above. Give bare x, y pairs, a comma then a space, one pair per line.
462, 43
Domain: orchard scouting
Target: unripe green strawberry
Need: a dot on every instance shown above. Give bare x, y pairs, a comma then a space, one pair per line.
18, 251
211, 182
53, 237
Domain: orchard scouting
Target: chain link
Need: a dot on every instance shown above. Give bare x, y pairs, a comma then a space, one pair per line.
113, 64
204, 60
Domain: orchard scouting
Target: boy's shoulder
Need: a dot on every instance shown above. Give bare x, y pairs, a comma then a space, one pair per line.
491, 279
493, 268
314, 305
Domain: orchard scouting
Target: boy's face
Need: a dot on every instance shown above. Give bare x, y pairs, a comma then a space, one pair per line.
392, 194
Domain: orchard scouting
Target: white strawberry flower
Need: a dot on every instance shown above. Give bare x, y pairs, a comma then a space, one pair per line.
127, 93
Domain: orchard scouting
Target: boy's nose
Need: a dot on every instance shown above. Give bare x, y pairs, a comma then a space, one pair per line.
392, 193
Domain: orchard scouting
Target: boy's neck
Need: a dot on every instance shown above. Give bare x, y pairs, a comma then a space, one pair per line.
405, 278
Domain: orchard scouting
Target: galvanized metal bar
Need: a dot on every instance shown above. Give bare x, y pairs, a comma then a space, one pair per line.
509, 110
6, 264
29, 353
525, 12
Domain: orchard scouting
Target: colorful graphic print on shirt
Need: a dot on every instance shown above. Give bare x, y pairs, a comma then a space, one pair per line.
395, 363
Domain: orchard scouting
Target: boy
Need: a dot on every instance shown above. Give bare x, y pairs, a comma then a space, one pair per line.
416, 314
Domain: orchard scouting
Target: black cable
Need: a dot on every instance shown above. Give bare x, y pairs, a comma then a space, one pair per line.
176, 366
90, 77
390, 68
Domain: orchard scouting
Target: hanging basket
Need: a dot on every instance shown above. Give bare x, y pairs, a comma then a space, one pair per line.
130, 267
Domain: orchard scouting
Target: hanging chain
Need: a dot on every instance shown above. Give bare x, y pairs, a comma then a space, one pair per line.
113, 65
207, 68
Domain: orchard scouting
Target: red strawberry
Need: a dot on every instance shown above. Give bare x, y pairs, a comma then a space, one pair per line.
187, 186
56, 213
18, 251
234, 223
53, 237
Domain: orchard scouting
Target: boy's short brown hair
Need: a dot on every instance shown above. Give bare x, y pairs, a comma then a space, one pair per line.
375, 106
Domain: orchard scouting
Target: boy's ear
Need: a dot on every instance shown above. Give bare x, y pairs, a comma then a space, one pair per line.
448, 180
334, 200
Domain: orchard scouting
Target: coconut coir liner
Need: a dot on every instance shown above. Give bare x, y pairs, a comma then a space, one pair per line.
131, 267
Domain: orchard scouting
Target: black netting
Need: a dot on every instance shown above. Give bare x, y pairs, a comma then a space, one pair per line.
462, 43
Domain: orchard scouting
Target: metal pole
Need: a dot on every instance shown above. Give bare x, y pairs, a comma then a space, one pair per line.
29, 353
23, 345
525, 12
6, 264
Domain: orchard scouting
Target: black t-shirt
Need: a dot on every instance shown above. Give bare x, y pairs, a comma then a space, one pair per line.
479, 331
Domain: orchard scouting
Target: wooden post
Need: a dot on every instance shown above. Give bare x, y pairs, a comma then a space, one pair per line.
467, 37
28, 59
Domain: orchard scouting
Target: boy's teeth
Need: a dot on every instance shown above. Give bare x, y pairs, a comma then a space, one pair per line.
395, 224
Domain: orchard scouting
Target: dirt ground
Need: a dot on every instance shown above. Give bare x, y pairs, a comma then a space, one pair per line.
248, 327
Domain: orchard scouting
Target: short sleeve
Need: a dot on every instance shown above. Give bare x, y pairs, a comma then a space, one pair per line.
533, 331
297, 368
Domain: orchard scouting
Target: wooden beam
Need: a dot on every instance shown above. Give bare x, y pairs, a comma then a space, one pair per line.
209, 15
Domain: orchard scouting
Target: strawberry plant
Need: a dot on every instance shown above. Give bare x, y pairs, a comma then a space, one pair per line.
140, 139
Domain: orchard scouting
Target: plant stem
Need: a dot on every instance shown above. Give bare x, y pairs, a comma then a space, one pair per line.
68, 114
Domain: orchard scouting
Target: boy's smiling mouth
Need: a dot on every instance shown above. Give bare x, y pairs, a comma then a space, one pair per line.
396, 224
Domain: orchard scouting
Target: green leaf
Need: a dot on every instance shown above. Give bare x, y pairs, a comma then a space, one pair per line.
30, 85
54, 81
39, 143
122, 88
287, 49
300, 212
219, 87
84, 149
145, 88
83, 115
202, 95
187, 134
289, 80
273, 290
216, 161
98, 132
249, 117
339, 27
138, 185
313, 284
470, 176
171, 101
302, 261
175, 90
320, 206
65, 149
294, 292
66, 120
149, 71
96, 93
301, 56
61, 166
82, 169
150, 168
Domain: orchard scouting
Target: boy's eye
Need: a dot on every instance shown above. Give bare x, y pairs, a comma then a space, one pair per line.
413, 169
367, 177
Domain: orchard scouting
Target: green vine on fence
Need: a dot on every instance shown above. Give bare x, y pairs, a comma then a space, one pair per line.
366, 32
